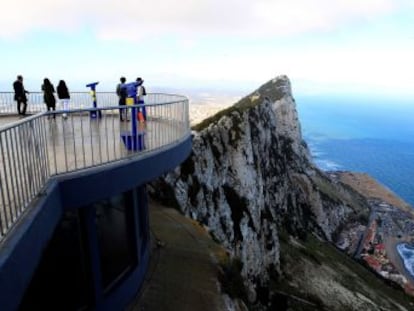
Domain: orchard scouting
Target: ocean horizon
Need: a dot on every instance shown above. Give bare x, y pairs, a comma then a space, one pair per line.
368, 135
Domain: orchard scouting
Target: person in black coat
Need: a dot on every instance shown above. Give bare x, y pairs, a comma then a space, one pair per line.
49, 95
20, 95
63, 95
122, 95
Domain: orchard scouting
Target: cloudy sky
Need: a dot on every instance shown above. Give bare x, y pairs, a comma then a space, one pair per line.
324, 46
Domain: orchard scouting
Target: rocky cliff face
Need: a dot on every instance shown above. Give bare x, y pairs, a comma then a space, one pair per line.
251, 182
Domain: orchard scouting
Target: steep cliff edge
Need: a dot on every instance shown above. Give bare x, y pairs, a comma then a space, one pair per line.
251, 182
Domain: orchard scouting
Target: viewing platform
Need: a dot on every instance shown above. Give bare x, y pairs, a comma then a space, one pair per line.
82, 170
38, 147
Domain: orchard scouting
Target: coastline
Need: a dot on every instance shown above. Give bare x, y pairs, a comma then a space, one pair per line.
395, 258
401, 247
391, 223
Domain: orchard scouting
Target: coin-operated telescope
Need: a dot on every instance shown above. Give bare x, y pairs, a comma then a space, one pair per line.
134, 139
131, 90
95, 113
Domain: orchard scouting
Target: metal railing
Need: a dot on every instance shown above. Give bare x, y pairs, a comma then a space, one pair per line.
78, 100
48, 144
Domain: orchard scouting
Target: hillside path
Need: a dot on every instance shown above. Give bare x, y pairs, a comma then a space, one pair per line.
183, 270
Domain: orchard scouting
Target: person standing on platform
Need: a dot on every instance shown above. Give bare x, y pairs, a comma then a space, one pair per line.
140, 96
141, 91
64, 97
122, 95
49, 95
20, 95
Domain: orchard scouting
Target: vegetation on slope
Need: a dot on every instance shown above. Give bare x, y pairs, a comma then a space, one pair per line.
272, 90
311, 268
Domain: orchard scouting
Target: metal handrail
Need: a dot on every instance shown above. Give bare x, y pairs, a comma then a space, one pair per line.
78, 100
36, 148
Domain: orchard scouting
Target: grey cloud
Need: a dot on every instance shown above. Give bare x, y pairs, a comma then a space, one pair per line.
110, 18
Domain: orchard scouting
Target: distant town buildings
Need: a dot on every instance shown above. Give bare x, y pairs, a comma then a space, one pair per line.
377, 243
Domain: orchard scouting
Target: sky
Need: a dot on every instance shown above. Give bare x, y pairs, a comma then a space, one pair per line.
323, 46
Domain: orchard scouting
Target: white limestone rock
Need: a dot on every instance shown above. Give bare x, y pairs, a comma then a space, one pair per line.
250, 175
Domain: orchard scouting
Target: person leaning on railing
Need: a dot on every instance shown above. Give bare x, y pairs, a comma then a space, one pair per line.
20, 95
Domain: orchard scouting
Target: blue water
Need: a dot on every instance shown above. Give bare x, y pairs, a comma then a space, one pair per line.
374, 136
407, 254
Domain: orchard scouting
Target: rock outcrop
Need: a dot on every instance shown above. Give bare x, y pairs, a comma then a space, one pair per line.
250, 180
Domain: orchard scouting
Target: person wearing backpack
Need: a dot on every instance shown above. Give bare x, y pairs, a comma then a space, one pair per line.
122, 95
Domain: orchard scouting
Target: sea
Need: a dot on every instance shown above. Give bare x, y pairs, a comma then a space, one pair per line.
407, 255
362, 134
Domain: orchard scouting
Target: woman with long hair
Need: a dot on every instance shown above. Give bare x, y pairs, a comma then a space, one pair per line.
49, 95
64, 97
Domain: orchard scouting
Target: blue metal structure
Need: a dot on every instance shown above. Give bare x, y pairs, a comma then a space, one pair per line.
95, 113
82, 242
134, 139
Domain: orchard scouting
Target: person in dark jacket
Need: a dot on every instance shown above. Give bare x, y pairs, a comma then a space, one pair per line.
49, 95
63, 95
122, 95
20, 95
